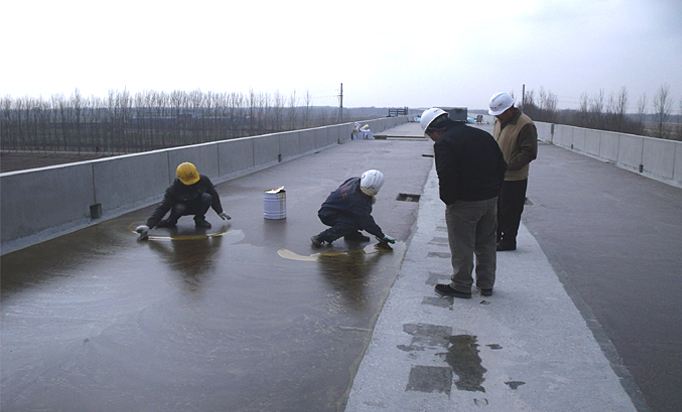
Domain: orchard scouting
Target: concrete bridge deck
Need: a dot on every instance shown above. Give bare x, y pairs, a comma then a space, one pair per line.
584, 317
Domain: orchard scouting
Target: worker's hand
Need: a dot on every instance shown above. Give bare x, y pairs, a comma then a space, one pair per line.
143, 230
224, 216
386, 239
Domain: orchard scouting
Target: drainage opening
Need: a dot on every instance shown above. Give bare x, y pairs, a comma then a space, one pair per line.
96, 211
408, 197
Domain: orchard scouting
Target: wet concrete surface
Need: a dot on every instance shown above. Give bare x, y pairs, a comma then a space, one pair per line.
95, 320
616, 248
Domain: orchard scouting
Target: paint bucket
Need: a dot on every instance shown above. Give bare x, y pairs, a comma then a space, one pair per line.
275, 204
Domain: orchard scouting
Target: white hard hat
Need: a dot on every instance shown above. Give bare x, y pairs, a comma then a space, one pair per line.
371, 181
429, 116
499, 103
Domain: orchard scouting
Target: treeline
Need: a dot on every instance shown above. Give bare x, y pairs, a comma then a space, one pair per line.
125, 122
598, 111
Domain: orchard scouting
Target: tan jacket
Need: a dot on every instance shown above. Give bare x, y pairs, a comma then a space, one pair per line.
518, 141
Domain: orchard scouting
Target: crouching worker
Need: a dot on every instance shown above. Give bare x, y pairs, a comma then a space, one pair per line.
190, 194
348, 210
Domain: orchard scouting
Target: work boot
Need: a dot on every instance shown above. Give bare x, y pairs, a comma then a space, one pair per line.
316, 242
166, 223
201, 223
356, 237
447, 290
487, 292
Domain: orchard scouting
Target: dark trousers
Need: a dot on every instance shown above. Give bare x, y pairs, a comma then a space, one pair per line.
197, 207
471, 232
341, 225
509, 208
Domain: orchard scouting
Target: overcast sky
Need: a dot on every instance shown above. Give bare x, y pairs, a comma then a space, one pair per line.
386, 53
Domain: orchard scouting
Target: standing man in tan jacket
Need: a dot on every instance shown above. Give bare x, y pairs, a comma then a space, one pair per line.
517, 136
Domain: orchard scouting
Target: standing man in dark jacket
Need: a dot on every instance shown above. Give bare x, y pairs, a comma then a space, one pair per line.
348, 209
190, 193
518, 139
470, 170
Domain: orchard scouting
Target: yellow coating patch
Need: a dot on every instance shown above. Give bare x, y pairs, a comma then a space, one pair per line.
184, 237
369, 249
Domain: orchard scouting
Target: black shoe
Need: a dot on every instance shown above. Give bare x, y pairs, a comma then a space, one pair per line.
201, 224
356, 237
503, 246
447, 290
166, 223
315, 242
487, 292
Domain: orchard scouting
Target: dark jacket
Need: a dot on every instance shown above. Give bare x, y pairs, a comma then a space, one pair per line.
469, 164
348, 200
179, 192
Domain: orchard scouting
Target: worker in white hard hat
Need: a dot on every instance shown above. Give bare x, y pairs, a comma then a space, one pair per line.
470, 170
348, 210
517, 136
191, 193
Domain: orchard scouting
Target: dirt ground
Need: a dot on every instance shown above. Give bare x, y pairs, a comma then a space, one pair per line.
11, 161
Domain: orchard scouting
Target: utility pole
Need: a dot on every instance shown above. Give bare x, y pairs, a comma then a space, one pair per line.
523, 96
341, 104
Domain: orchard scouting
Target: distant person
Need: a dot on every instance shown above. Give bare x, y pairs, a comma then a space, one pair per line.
470, 170
517, 136
348, 210
190, 193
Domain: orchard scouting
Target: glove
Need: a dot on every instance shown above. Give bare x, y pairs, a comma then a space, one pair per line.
143, 230
386, 239
224, 216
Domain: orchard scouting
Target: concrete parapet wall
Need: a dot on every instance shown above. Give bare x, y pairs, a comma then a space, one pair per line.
40, 204
659, 159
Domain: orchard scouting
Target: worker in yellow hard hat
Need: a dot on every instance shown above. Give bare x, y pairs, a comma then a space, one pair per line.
190, 193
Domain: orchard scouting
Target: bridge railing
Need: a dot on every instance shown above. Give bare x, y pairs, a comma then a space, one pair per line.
659, 159
43, 203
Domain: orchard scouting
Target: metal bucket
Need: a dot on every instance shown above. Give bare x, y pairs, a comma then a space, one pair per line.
275, 204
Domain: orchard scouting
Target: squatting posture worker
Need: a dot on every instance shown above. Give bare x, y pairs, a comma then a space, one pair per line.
517, 136
348, 209
190, 193
470, 170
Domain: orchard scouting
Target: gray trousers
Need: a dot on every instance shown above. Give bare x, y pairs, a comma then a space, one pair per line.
472, 229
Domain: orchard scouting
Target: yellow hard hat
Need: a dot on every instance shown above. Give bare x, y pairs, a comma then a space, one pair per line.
187, 173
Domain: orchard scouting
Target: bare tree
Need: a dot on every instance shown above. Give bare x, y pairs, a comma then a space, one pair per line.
292, 111
662, 107
306, 114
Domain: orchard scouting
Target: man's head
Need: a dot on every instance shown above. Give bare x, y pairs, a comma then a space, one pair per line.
501, 106
371, 181
433, 121
187, 173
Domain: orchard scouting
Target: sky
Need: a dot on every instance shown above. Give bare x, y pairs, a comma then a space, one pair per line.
386, 53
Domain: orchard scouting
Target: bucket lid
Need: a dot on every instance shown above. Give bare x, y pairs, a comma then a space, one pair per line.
278, 190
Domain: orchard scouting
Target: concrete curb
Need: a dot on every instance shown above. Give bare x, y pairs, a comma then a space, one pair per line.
525, 348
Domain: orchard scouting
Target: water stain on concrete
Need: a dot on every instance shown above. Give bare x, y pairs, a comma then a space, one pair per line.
441, 302
514, 384
430, 379
435, 278
426, 335
463, 358
439, 240
445, 255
